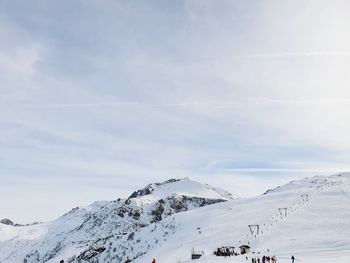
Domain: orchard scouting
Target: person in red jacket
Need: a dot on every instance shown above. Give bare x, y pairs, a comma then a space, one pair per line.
154, 260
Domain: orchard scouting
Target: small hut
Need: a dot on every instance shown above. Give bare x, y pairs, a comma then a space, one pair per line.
196, 254
244, 249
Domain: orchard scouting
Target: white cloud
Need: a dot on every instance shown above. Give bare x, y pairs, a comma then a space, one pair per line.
241, 94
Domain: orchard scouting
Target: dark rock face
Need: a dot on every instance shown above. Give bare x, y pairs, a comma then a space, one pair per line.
145, 191
136, 215
178, 205
183, 203
127, 210
142, 192
150, 188
168, 182
158, 211
6, 222
90, 254
202, 201
131, 236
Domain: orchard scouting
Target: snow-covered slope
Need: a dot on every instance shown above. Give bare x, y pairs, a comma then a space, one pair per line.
315, 228
312, 224
84, 234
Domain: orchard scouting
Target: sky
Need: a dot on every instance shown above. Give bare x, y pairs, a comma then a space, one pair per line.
100, 98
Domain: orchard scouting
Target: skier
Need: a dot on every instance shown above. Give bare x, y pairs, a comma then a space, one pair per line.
293, 258
154, 260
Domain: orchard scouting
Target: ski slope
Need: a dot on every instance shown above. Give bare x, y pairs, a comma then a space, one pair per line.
167, 220
314, 230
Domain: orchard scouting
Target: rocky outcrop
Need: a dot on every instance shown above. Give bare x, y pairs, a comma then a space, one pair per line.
114, 231
7, 222
150, 188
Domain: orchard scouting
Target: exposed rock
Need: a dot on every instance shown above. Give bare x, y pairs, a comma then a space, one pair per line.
150, 188
6, 222
136, 215
158, 211
91, 253
131, 236
109, 231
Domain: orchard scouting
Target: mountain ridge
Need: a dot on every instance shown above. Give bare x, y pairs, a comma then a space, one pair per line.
103, 221
177, 215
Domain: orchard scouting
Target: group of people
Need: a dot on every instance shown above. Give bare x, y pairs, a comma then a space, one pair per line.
264, 259
267, 259
225, 251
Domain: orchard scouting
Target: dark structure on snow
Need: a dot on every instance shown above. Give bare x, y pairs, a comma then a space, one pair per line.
244, 249
196, 254
225, 251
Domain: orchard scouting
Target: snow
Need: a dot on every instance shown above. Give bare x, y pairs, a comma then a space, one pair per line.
84, 228
314, 230
7, 232
188, 187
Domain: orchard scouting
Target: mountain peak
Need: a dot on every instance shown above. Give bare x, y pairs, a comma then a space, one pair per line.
151, 187
184, 187
161, 216
317, 181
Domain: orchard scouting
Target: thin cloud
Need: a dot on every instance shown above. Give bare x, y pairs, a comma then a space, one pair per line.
282, 170
210, 103
297, 54
281, 55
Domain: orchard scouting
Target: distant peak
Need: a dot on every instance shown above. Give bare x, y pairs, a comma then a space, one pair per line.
183, 186
151, 187
7, 221
170, 181
314, 181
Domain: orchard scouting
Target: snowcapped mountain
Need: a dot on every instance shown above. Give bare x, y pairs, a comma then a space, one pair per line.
106, 231
307, 218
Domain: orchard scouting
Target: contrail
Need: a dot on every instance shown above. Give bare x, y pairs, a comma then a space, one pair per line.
298, 54
278, 170
299, 101
80, 105
210, 103
274, 55
108, 104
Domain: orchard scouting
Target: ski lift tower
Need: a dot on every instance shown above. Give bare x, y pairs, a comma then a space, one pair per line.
254, 229
283, 211
305, 197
